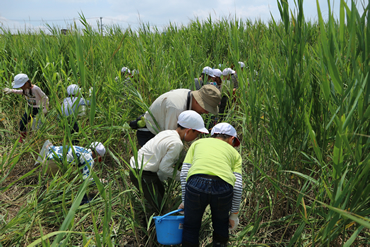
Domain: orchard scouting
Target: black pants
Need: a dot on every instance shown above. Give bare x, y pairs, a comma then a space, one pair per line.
143, 137
222, 108
152, 187
27, 117
75, 129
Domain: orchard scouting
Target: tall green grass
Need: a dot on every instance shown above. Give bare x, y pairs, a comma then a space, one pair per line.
302, 113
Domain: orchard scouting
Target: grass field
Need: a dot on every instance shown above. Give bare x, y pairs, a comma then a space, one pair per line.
303, 121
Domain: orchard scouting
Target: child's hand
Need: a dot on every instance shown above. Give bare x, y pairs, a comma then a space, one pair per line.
233, 221
7, 90
181, 207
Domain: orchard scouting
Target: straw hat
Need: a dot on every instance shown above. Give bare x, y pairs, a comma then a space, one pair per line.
208, 97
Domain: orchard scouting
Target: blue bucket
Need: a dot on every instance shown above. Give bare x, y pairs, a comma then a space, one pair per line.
169, 228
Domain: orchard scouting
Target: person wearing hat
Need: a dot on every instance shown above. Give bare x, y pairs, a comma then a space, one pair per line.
212, 173
85, 157
125, 72
71, 106
206, 72
160, 154
217, 78
165, 110
35, 97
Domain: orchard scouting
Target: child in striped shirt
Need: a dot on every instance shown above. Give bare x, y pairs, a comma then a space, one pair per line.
212, 175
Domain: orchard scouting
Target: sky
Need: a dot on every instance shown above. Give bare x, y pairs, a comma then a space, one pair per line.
35, 14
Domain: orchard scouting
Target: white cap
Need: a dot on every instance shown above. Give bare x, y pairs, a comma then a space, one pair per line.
228, 71
217, 72
99, 147
124, 69
73, 89
20, 80
242, 65
226, 129
192, 120
135, 71
209, 71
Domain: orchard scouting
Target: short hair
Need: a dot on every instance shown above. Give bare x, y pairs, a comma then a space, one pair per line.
179, 126
222, 136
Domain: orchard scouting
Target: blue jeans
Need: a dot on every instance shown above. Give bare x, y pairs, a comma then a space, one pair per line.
201, 191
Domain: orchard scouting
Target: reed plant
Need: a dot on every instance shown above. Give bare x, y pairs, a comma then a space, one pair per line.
302, 112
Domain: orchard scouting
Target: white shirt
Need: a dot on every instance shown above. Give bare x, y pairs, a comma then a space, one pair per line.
36, 99
70, 106
159, 154
166, 110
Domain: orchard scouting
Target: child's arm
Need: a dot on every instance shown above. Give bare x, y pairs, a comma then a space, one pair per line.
183, 175
237, 196
166, 165
8, 91
45, 100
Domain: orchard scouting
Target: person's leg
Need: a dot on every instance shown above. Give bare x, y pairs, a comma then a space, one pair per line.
152, 187
222, 108
24, 120
75, 129
222, 196
143, 137
196, 200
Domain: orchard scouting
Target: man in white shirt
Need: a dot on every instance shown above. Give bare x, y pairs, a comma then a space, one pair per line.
160, 154
165, 110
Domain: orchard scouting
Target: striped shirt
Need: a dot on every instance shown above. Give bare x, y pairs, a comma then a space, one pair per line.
83, 157
214, 157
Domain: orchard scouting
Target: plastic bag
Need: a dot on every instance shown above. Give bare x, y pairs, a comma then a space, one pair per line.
43, 151
37, 121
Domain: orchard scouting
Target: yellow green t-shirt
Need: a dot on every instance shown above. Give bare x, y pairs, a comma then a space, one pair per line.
214, 157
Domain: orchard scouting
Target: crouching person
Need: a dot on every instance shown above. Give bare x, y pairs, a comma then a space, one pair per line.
83, 157
211, 175
71, 106
160, 154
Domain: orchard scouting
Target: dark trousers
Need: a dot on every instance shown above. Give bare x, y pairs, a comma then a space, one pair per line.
143, 137
75, 129
27, 117
200, 192
152, 186
222, 111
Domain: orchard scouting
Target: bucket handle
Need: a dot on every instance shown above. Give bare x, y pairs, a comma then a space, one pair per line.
173, 212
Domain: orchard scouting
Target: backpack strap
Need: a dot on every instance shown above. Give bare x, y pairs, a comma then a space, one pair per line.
188, 101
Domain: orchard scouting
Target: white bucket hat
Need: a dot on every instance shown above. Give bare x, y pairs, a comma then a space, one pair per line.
242, 65
192, 120
20, 80
217, 72
228, 71
226, 129
209, 71
73, 89
99, 147
124, 69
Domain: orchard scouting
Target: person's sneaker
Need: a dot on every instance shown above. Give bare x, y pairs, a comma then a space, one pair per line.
23, 136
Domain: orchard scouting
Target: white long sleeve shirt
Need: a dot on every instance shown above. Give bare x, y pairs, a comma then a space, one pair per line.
36, 99
159, 154
70, 105
166, 110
